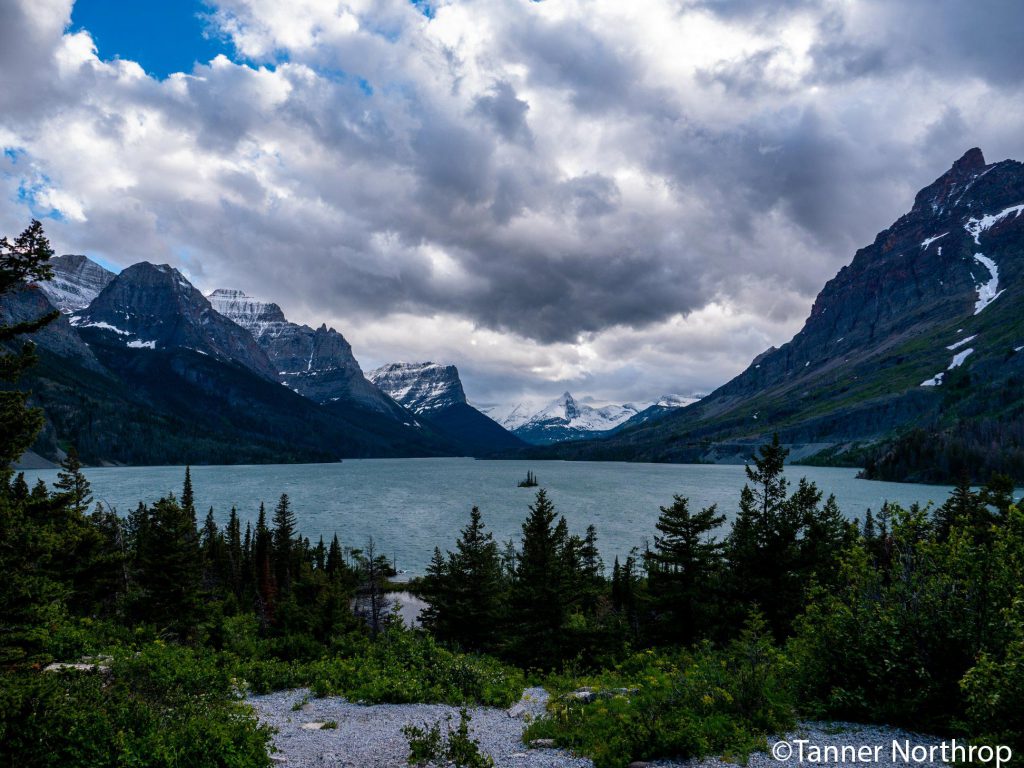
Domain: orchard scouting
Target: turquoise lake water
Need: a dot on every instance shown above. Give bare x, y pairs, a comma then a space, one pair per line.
409, 506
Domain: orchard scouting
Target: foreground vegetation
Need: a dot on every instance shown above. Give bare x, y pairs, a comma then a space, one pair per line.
703, 643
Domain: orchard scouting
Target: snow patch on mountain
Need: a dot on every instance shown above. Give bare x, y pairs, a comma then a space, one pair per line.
958, 344
989, 290
958, 359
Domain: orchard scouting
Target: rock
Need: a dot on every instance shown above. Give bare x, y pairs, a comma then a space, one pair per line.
312, 726
542, 744
278, 759
639, 764
62, 666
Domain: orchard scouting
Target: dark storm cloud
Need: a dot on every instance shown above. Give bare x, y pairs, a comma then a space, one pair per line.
547, 172
505, 112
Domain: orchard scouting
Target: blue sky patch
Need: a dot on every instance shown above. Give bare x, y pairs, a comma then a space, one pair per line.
163, 36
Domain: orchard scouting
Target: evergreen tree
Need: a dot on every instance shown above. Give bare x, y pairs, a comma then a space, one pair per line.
963, 509
263, 568
284, 544
437, 593
23, 261
539, 597
335, 559
475, 586
683, 571
188, 500
72, 481
235, 556
770, 567
591, 571
170, 566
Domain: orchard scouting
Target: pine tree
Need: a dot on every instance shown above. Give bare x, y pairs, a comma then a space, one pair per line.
437, 593
23, 261
591, 572
335, 560
263, 568
284, 544
475, 586
188, 500
72, 481
963, 509
766, 565
235, 552
538, 597
170, 567
684, 571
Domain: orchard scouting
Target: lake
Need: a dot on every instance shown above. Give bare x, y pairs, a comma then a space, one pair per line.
409, 506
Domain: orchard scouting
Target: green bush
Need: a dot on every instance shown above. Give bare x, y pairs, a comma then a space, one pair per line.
429, 746
166, 708
403, 666
660, 704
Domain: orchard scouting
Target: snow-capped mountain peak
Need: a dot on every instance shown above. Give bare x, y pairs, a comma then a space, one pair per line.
256, 316
77, 280
420, 387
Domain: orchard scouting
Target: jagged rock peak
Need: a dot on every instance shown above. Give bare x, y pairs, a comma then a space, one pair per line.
153, 306
77, 280
420, 387
253, 314
972, 160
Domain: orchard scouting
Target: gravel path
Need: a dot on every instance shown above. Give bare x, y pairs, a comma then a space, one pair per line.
371, 736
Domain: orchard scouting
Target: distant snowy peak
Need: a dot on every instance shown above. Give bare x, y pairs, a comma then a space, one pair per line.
77, 280
256, 316
567, 418
420, 387
566, 411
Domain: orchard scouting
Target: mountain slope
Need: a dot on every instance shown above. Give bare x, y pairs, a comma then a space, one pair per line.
316, 363
150, 373
435, 394
923, 328
77, 280
153, 306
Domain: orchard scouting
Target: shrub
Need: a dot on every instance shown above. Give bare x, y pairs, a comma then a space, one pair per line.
428, 746
660, 704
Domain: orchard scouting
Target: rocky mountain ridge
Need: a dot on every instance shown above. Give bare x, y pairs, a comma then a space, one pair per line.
924, 326
153, 306
316, 363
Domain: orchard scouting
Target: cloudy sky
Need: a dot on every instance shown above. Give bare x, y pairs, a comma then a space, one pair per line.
617, 198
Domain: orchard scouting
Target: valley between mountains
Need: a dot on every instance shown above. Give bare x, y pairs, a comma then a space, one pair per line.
909, 364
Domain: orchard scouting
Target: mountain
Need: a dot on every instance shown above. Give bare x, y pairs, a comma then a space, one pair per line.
660, 408
564, 418
435, 394
150, 373
77, 280
316, 363
153, 306
923, 330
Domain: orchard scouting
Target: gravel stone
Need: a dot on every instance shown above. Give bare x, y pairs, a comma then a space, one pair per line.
370, 736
